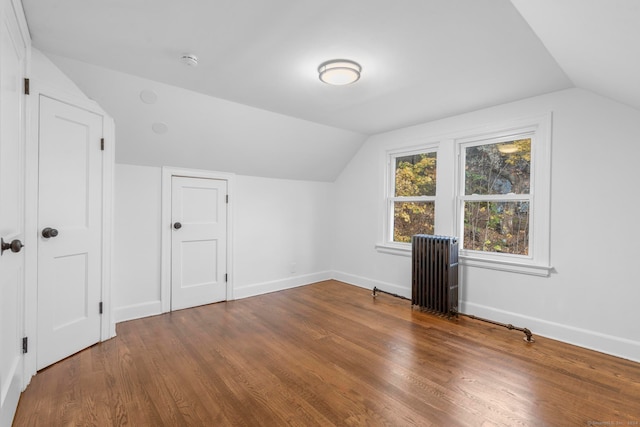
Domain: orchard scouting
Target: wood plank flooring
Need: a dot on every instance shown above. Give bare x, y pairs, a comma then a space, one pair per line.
329, 354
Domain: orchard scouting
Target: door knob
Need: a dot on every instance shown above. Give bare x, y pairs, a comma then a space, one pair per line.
177, 226
49, 232
15, 246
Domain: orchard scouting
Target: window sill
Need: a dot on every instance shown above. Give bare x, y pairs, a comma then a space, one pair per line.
510, 266
471, 261
394, 249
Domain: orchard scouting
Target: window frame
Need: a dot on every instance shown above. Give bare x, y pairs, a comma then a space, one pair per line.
388, 245
536, 262
449, 216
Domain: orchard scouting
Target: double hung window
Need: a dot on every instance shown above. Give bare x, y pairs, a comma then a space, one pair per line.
493, 194
411, 205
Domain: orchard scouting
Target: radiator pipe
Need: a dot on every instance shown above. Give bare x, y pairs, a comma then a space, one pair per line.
527, 332
528, 338
388, 293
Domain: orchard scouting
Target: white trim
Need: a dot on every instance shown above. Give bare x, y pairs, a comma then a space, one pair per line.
403, 249
609, 344
137, 311
165, 278
506, 265
108, 325
280, 285
410, 148
539, 129
107, 329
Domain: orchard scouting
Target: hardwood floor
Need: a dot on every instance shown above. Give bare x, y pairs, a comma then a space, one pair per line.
329, 354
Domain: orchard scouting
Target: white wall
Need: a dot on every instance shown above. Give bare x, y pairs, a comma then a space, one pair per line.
591, 298
280, 234
137, 209
279, 237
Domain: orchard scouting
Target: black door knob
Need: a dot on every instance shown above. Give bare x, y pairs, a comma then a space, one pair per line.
49, 232
15, 246
177, 226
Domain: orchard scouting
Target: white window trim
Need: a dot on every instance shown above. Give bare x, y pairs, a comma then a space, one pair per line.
387, 244
537, 262
448, 205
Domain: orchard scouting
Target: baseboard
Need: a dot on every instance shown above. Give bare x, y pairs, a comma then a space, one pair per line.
10, 404
279, 285
366, 283
608, 344
603, 343
137, 311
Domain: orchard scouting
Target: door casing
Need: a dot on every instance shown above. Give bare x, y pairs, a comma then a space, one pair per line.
108, 329
15, 63
165, 278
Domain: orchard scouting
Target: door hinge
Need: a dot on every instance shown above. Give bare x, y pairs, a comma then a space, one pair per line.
102, 144
25, 345
100, 307
26, 86
227, 198
226, 277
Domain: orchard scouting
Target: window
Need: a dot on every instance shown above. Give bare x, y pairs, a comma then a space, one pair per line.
492, 192
503, 208
497, 197
412, 193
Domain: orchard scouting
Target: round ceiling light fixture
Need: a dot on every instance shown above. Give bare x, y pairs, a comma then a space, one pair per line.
339, 72
189, 59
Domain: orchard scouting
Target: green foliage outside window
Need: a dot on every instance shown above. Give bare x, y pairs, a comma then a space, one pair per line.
415, 176
498, 225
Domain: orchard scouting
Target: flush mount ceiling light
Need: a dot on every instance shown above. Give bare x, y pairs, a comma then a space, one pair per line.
339, 72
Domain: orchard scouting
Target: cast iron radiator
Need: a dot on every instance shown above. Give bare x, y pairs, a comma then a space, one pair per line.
434, 279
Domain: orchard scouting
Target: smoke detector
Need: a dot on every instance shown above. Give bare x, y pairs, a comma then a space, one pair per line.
189, 59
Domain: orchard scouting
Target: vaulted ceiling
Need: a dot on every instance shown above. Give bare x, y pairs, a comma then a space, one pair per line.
422, 60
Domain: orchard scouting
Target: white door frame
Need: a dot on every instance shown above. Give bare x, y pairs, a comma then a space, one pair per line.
108, 328
12, 14
165, 275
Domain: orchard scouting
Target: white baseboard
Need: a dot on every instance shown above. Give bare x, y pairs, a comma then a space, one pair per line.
366, 283
279, 285
615, 346
603, 343
10, 404
137, 311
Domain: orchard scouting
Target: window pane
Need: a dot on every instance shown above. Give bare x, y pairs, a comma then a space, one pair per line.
497, 227
411, 218
416, 175
498, 168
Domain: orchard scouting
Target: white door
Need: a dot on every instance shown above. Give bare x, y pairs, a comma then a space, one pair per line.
198, 241
69, 230
12, 130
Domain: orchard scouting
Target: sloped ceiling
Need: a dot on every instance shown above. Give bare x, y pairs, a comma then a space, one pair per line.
596, 42
422, 60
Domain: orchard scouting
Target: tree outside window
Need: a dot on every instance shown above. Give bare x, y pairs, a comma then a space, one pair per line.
412, 206
497, 197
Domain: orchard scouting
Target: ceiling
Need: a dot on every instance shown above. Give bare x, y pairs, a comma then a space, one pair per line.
422, 59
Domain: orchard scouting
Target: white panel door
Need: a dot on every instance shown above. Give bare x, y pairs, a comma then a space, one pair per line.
69, 239
198, 241
12, 130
